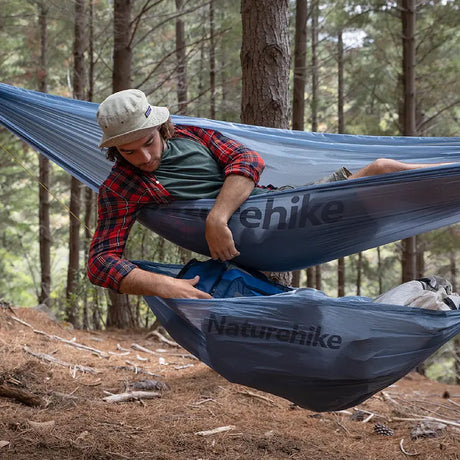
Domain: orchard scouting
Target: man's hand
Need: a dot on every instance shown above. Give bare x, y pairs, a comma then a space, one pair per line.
141, 282
181, 288
220, 240
233, 194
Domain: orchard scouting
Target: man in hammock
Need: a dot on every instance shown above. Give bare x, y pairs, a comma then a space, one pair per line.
157, 162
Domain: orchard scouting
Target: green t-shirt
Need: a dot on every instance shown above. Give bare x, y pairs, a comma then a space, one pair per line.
189, 171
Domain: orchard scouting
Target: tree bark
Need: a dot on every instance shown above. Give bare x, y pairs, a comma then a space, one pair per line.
212, 60
408, 21
119, 313
79, 84
314, 65
44, 170
341, 130
181, 60
300, 79
314, 92
265, 56
122, 45
359, 267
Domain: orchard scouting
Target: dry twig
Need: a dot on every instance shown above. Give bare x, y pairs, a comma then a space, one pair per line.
163, 339
132, 396
53, 360
255, 395
221, 429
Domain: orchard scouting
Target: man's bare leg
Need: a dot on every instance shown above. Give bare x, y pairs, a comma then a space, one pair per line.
388, 165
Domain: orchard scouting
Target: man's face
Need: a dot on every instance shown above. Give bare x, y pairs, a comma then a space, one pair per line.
144, 153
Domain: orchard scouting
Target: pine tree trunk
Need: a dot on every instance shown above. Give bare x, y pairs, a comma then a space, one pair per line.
314, 92
408, 20
300, 79
212, 60
122, 47
341, 130
265, 56
119, 310
379, 270
181, 65
79, 80
419, 257
359, 266
453, 271
182, 86
44, 172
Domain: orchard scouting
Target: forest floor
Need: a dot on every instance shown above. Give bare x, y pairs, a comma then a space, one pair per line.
63, 414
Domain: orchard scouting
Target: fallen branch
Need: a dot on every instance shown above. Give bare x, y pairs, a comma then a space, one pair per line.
80, 346
255, 395
221, 429
132, 396
433, 419
23, 396
53, 360
163, 339
137, 347
21, 321
404, 451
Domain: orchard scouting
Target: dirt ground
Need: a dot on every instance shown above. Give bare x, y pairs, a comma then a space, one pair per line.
63, 414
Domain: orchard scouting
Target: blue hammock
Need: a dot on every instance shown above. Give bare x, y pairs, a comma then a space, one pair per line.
276, 231
321, 353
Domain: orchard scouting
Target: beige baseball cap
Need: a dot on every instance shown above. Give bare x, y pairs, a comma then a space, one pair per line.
126, 116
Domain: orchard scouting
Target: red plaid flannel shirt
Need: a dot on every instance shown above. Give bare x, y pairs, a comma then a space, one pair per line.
127, 189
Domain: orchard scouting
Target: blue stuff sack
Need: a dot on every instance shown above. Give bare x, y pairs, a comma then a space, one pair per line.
227, 279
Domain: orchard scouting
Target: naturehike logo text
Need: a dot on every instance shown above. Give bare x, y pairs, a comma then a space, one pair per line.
312, 337
298, 215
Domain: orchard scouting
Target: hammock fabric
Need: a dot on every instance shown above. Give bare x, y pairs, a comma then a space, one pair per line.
276, 231
321, 353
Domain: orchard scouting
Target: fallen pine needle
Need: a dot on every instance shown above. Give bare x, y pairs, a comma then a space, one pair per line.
221, 429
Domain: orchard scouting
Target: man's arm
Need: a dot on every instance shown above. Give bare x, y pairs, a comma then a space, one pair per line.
141, 282
242, 168
234, 192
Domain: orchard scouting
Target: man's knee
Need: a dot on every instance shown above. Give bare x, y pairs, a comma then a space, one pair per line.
385, 165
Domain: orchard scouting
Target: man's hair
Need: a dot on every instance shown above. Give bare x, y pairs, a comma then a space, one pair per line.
166, 131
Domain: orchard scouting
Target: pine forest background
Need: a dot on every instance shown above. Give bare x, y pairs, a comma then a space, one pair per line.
346, 74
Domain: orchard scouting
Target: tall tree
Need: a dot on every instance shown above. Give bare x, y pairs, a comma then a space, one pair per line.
79, 87
119, 312
265, 56
408, 21
341, 130
122, 45
182, 86
212, 59
181, 59
314, 273
44, 169
300, 79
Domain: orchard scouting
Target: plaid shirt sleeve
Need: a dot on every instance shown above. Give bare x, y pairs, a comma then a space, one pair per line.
232, 156
120, 197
